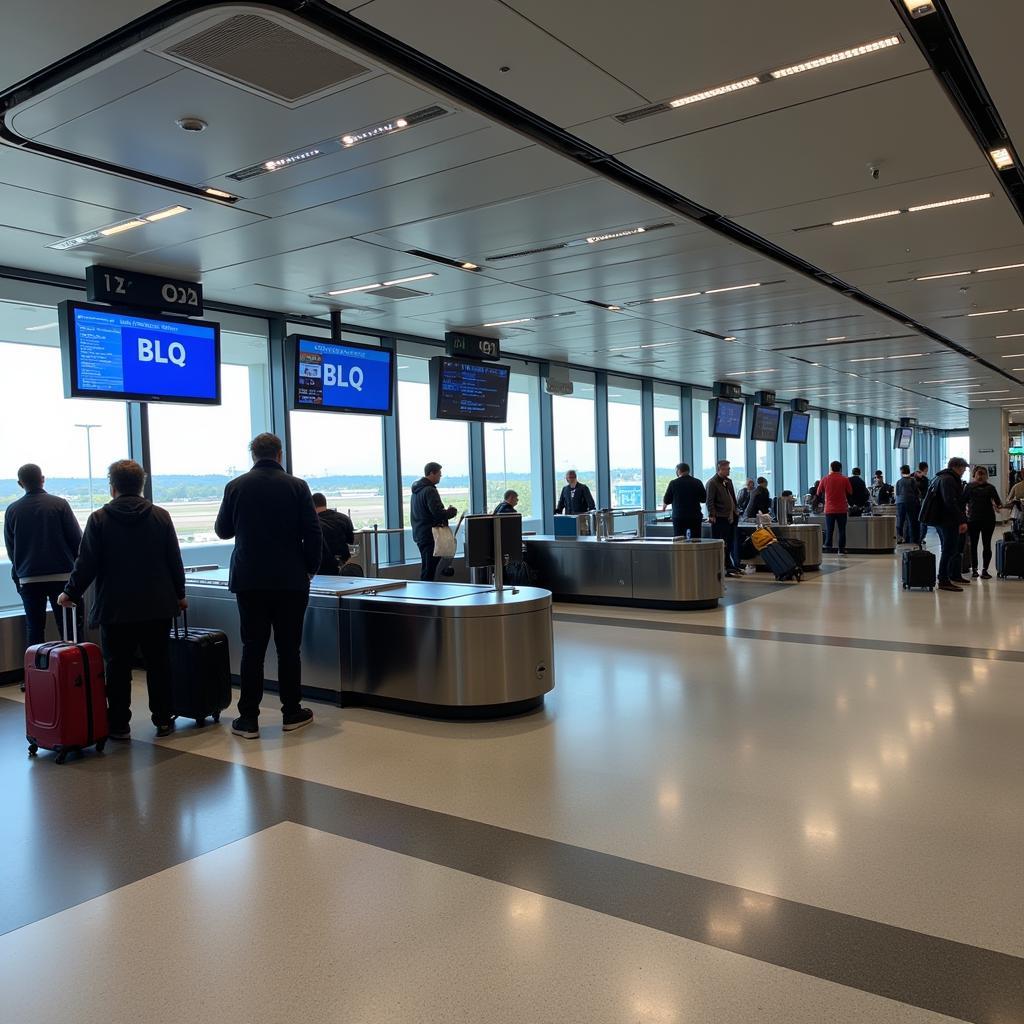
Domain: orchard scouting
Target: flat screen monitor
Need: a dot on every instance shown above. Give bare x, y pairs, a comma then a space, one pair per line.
461, 389
766, 423
726, 418
111, 353
798, 427
341, 376
904, 435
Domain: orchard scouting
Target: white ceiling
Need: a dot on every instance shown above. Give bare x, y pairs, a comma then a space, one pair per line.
774, 158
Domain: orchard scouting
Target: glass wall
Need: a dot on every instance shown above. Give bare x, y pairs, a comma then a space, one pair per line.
704, 458
668, 441
791, 469
815, 459
853, 449
625, 443
765, 464
509, 448
957, 446
832, 451
736, 452
575, 432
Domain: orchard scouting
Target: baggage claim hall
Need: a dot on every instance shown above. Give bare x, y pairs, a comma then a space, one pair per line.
512, 512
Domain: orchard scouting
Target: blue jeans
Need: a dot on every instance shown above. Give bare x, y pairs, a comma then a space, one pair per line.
907, 525
952, 552
831, 522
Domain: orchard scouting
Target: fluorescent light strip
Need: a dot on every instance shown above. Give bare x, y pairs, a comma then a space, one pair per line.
992, 270
840, 337
732, 288
868, 359
41, 327
720, 90
868, 216
997, 391
373, 132
408, 280
219, 193
947, 380
912, 355
378, 284
506, 323
748, 373
941, 277
1003, 337
836, 58
990, 312
358, 288
593, 239
171, 211
669, 298
1013, 355
125, 225
950, 202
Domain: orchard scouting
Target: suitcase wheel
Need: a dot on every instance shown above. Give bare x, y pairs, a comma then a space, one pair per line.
32, 750
200, 722
62, 756
100, 744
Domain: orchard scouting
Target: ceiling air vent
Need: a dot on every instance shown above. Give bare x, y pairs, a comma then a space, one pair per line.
267, 56
636, 115
396, 292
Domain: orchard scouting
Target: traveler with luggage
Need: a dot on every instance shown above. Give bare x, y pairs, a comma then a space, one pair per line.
338, 534
860, 496
575, 498
908, 508
721, 502
278, 548
982, 503
42, 537
130, 552
427, 513
743, 497
836, 490
760, 501
923, 483
507, 505
685, 494
944, 508
881, 492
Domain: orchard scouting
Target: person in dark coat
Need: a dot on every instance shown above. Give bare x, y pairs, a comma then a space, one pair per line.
983, 501
760, 500
278, 546
945, 508
685, 494
507, 505
130, 551
575, 498
338, 533
426, 510
42, 537
860, 496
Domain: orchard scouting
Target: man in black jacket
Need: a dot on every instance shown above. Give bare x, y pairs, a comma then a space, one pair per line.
507, 505
338, 533
426, 510
945, 508
131, 551
685, 494
760, 500
575, 498
278, 546
860, 496
42, 537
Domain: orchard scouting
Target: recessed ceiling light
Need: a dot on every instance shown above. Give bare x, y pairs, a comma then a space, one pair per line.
669, 298
947, 380
949, 202
719, 90
1001, 157
732, 288
125, 225
408, 280
836, 58
219, 193
506, 323
868, 359
469, 266
748, 373
1003, 337
297, 157
1013, 355
990, 312
357, 288
919, 8
909, 355
41, 327
838, 337
374, 131
593, 239
992, 270
997, 391
940, 277
867, 216
171, 211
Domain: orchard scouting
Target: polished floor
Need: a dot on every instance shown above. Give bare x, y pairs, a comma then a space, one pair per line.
805, 806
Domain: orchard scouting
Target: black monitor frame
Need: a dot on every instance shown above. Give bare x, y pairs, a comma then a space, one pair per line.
789, 418
758, 410
713, 419
291, 344
435, 368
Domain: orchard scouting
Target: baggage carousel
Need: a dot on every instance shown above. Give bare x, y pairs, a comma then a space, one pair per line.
866, 535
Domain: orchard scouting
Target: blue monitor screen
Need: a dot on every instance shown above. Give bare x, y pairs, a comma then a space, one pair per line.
766, 423
798, 427
109, 353
727, 418
343, 377
461, 389
903, 437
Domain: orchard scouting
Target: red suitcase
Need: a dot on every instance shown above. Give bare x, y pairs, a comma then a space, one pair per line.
65, 696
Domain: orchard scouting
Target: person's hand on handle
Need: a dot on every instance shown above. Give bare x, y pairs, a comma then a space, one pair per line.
65, 602
963, 527
182, 603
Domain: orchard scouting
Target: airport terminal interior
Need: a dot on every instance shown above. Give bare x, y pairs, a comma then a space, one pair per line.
606, 762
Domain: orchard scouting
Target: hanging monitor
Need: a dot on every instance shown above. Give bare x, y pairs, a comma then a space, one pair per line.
341, 376
726, 418
902, 438
461, 389
765, 426
798, 427
111, 353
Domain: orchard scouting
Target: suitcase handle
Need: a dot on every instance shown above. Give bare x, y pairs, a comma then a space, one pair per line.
72, 614
184, 614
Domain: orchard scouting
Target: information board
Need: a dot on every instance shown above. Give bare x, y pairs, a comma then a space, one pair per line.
341, 376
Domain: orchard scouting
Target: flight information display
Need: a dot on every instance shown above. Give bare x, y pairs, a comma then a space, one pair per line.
465, 390
766, 423
904, 435
726, 418
108, 353
342, 377
798, 427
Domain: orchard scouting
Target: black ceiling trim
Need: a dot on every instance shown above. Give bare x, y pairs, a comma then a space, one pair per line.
457, 87
845, 341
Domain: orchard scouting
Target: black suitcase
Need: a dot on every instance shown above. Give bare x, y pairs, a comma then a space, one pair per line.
918, 569
797, 548
200, 672
1009, 559
519, 574
781, 562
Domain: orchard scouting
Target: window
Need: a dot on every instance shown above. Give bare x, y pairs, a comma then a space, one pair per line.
832, 449
736, 452
853, 452
815, 460
509, 449
575, 434
704, 445
956, 446
625, 443
668, 440
764, 453
791, 469
195, 450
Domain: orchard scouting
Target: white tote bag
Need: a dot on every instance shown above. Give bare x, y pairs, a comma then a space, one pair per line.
444, 542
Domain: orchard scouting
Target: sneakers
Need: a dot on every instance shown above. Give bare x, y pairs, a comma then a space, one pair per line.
986, 575
164, 730
960, 581
974, 574
950, 586
297, 720
247, 728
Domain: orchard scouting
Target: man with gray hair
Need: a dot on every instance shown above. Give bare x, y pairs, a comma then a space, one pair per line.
721, 501
944, 508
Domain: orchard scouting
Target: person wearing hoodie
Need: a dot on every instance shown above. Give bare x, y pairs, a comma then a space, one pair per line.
338, 533
427, 511
130, 551
945, 508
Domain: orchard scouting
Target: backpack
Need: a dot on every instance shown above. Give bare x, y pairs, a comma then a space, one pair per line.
931, 507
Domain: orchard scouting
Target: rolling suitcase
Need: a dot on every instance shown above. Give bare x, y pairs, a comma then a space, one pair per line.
781, 562
65, 695
1009, 559
200, 672
797, 548
918, 569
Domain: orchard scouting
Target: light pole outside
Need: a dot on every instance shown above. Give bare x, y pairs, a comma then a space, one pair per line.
89, 428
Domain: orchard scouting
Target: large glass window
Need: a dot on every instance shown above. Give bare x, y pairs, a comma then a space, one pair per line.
736, 452
575, 433
195, 450
815, 459
833, 452
853, 452
764, 452
509, 449
668, 439
956, 446
625, 443
791, 469
703, 443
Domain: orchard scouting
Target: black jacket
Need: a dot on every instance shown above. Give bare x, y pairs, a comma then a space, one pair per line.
41, 535
426, 510
277, 534
944, 504
131, 551
979, 499
685, 494
503, 508
859, 493
338, 532
760, 501
574, 506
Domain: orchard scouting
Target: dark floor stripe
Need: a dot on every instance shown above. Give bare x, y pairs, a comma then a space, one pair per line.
894, 646
141, 808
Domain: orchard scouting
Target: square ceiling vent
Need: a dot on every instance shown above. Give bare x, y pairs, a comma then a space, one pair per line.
396, 292
266, 54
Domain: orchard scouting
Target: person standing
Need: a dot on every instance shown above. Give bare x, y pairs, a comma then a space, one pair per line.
743, 498
860, 496
507, 505
425, 512
836, 490
278, 547
908, 507
42, 538
721, 501
760, 501
685, 494
923, 483
338, 536
130, 551
944, 508
575, 498
982, 502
